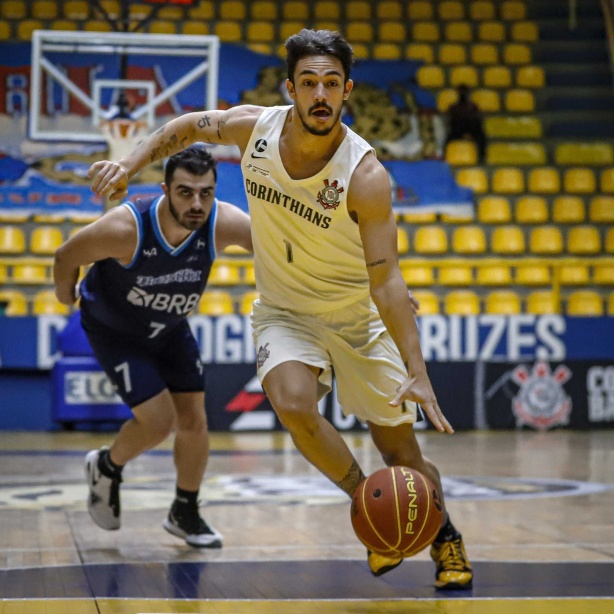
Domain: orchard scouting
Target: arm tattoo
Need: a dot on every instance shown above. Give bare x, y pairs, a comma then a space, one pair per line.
350, 482
204, 121
168, 148
383, 261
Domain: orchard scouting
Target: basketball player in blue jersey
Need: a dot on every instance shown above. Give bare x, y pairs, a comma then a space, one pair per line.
151, 260
326, 262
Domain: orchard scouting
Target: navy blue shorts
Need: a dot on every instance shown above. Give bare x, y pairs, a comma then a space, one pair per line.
141, 369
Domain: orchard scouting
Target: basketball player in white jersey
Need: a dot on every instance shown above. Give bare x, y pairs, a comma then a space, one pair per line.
331, 292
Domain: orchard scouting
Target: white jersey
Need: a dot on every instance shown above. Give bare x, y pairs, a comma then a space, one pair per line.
308, 251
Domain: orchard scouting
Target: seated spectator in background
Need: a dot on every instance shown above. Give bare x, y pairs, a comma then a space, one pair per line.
465, 121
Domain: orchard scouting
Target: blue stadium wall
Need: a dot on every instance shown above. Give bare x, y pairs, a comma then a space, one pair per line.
489, 372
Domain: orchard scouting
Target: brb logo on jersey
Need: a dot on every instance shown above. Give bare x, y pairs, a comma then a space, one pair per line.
541, 401
170, 303
329, 196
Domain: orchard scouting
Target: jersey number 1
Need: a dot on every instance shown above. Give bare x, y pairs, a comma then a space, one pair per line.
289, 252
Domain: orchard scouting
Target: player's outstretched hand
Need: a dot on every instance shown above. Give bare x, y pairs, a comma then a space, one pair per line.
419, 390
110, 179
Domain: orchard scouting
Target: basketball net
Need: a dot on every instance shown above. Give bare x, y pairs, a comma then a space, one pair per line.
122, 136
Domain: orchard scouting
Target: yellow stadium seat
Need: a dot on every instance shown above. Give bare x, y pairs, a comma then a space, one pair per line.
503, 302
429, 303
546, 240
458, 31
541, 302
171, 13
45, 240
494, 275
391, 32
224, 273
462, 302
44, 9
203, 10
568, 210
402, 241
76, 9
461, 153
13, 9
524, 32
488, 100
530, 77
449, 10
99, 25
430, 240
580, 181
64, 25
420, 217
584, 153
584, 303
513, 10
491, 31
228, 31
545, 180
513, 127
603, 274
358, 10
216, 303
34, 274
357, 32
531, 210
494, 210
263, 10
6, 32
46, 303
507, 240
13, 303
420, 51
159, 26
517, 54
463, 75
425, 32
12, 240
445, 98
573, 274
452, 53
246, 302
260, 31
386, 51
508, 180
249, 274
533, 274
455, 275
389, 9
497, 77
326, 9
198, 28
484, 54
420, 10
611, 304
474, 178
601, 210
417, 274
609, 241
519, 101
606, 180
584, 240
519, 153
26, 27
482, 10
469, 240
293, 11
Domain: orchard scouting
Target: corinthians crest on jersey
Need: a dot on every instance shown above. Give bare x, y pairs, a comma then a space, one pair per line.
328, 197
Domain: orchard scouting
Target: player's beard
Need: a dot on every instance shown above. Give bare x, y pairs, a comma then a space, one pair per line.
184, 223
319, 131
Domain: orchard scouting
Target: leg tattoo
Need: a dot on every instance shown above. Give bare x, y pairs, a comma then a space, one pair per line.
350, 482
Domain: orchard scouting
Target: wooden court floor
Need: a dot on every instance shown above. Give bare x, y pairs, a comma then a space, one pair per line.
536, 511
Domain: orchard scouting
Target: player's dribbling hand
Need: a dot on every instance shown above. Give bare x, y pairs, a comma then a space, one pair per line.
110, 179
420, 391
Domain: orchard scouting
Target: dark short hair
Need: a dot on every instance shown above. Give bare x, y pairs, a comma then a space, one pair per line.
194, 159
318, 42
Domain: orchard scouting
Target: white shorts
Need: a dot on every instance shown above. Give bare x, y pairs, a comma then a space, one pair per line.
352, 341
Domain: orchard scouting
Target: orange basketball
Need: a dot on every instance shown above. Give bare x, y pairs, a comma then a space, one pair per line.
396, 512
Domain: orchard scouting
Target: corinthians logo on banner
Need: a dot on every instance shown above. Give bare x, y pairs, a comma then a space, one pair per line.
541, 401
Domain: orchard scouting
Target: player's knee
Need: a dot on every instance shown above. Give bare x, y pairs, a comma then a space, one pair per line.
193, 423
297, 417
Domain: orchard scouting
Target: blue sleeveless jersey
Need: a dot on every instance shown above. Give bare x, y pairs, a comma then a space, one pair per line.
156, 291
